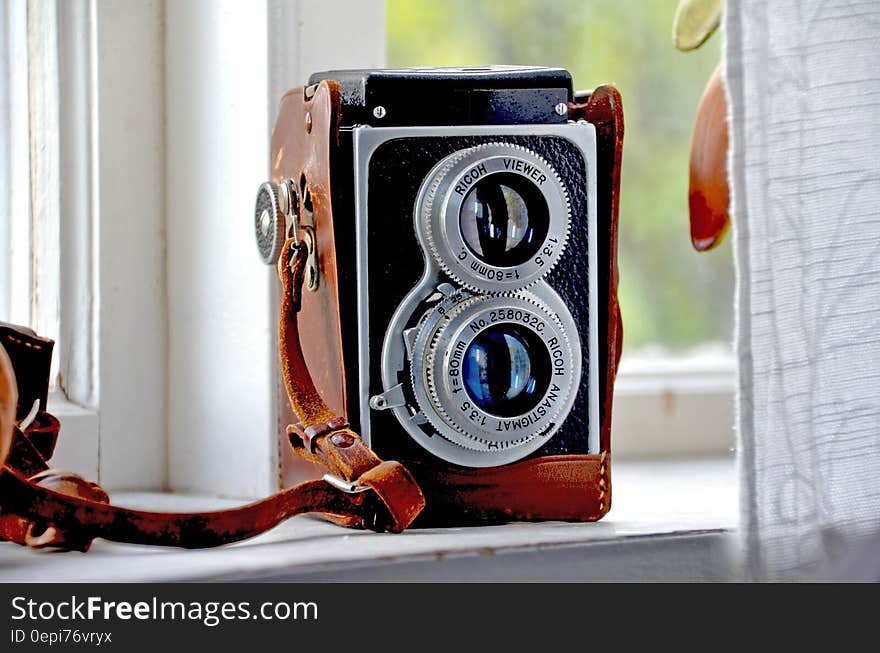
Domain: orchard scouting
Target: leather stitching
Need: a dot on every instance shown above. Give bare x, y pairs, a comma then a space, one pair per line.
604, 482
24, 343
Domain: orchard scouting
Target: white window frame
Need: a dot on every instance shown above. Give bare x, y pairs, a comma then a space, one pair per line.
674, 406
78, 273
165, 323
223, 397
15, 236
143, 267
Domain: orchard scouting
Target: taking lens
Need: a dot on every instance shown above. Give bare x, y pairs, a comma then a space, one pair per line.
494, 376
506, 370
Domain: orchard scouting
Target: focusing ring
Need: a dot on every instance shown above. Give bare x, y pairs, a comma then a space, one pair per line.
446, 191
483, 438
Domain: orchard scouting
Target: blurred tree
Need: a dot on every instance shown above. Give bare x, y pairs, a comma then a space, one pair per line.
670, 295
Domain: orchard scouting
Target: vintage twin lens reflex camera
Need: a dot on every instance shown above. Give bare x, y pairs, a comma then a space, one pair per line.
464, 211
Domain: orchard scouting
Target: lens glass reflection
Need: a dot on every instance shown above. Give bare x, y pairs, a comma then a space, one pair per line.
506, 370
504, 219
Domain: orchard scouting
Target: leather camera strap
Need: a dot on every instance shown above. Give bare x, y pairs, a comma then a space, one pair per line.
43, 508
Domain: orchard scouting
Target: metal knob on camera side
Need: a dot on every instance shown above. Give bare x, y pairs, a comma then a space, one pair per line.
277, 218
274, 218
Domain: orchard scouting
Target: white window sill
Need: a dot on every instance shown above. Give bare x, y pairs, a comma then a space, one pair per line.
78, 444
670, 521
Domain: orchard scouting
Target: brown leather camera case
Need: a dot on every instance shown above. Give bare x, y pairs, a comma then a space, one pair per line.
305, 142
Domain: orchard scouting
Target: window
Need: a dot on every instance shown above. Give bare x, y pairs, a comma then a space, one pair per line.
677, 305
46, 218
132, 138
15, 274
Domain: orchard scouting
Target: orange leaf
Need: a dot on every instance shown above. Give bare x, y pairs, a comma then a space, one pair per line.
708, 196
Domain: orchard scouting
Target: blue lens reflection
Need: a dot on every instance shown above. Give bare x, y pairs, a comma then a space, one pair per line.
506, 370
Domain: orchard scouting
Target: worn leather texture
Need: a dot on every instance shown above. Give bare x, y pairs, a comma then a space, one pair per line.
571, 488
604, 109
25, 361
304, 134
321, 436
32, 380
8, 403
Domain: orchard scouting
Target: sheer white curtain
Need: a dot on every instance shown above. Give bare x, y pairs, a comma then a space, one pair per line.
804, 87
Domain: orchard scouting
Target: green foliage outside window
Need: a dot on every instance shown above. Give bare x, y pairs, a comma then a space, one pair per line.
670, 295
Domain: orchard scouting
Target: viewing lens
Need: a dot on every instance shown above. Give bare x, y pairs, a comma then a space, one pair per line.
504, 219
506, 370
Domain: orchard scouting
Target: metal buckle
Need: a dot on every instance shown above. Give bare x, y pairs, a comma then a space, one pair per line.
312, 270
349, 487
30, 417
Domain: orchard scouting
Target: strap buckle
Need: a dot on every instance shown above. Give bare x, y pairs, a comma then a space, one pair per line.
349, 487
311, 434
30, 417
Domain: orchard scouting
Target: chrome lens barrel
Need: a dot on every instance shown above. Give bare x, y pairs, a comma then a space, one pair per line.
495, 375
495, 217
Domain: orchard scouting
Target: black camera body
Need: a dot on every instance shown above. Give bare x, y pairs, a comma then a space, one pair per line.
464, 209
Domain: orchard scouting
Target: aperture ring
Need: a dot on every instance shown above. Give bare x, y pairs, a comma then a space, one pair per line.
438, 359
